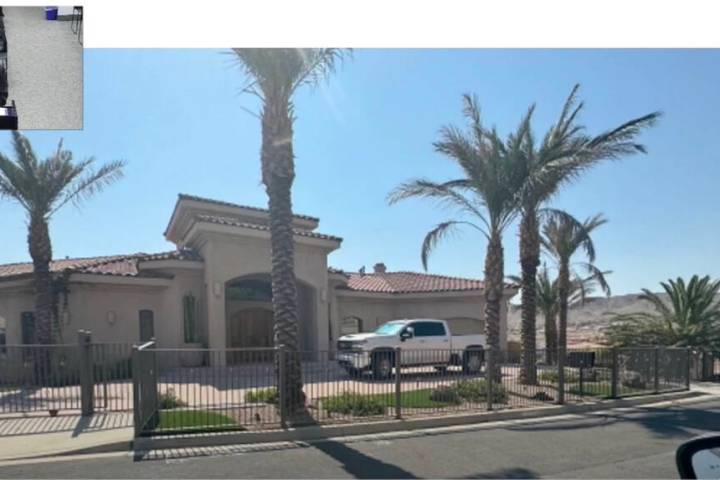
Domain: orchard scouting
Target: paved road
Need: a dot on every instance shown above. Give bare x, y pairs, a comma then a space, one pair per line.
639, 443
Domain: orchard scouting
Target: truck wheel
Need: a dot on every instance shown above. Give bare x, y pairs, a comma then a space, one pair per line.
382, 365
353, 372
472, 361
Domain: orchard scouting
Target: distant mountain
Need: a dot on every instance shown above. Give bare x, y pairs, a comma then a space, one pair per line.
585, 322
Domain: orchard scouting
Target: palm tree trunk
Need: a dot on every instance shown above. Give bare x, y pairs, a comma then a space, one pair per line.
41, 254
278, 174
563, 292
551, 337
529, 262
494, 278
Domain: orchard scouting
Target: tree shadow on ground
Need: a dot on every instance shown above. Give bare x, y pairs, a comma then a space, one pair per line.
669, 422
358, 464
516, 472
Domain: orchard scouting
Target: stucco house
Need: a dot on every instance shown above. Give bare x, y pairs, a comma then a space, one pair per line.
214, 289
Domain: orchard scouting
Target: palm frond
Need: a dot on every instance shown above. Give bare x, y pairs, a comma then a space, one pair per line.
437, 234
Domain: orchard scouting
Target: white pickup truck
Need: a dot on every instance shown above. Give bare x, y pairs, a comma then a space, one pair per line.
422, 342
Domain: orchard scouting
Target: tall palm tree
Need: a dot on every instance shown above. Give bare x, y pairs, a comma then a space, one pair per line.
564, 153
274, 77
690, 316
562, 237
486, 196
547, 300
42, 187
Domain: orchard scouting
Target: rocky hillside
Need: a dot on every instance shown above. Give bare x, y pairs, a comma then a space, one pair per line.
585, 323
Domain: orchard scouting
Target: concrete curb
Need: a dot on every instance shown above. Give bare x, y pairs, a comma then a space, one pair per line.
333, 431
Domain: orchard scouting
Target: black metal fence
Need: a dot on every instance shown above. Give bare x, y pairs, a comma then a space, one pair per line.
60, 378
705, 365
239, 388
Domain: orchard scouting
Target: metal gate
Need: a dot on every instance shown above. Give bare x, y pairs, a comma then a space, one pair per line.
145, 395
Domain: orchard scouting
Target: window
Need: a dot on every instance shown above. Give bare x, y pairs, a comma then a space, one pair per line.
350, 325
390, 328
147, 325
190, 316
428, 329
249, 289
27, 325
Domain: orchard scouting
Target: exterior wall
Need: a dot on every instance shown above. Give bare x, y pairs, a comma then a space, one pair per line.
465, 314
90, 304
12, 303
230, 257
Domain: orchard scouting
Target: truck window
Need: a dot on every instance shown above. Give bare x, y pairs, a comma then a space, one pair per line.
428, 329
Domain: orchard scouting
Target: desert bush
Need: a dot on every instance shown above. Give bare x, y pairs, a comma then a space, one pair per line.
263, 395
445, 394
476, 391
349, 403
632, 379
543, 397
551, 375
169, 400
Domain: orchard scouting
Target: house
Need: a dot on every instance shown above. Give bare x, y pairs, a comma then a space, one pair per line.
214, 289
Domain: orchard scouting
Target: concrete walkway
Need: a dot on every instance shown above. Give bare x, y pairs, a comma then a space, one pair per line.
39, 436
45, 70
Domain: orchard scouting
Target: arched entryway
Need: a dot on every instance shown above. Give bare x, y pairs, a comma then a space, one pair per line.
249, 317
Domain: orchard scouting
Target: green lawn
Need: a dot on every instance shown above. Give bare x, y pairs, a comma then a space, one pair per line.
182, 419
412, 399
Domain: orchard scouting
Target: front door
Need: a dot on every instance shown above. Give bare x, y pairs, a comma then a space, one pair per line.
250, 328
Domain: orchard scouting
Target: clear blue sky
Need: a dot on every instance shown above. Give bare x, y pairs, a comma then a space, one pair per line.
177, 117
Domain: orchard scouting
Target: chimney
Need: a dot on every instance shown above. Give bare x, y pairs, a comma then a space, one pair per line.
380, 268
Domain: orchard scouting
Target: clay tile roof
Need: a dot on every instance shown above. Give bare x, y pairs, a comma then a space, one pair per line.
122, 265
184, 196
410, 282
236, 223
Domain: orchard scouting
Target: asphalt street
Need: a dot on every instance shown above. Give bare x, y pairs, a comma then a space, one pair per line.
637, 443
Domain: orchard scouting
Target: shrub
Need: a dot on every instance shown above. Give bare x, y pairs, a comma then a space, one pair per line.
543, 397
551, 376
169, 400
632, 379
263, 395
349, 403
445, 394
476, 391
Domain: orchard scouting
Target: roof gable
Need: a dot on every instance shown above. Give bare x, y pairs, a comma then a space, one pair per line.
189, 207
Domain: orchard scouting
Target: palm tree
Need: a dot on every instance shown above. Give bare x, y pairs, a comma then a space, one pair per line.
42, 187
562, 237
564, 153
486, 195
547, 301
690, 317
274, 77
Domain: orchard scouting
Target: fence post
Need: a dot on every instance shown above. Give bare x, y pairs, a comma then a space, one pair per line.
86, 367
398, 386
687, 379
282, 393
490, 372
614, 374
561, 375
656, 367
137, 413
